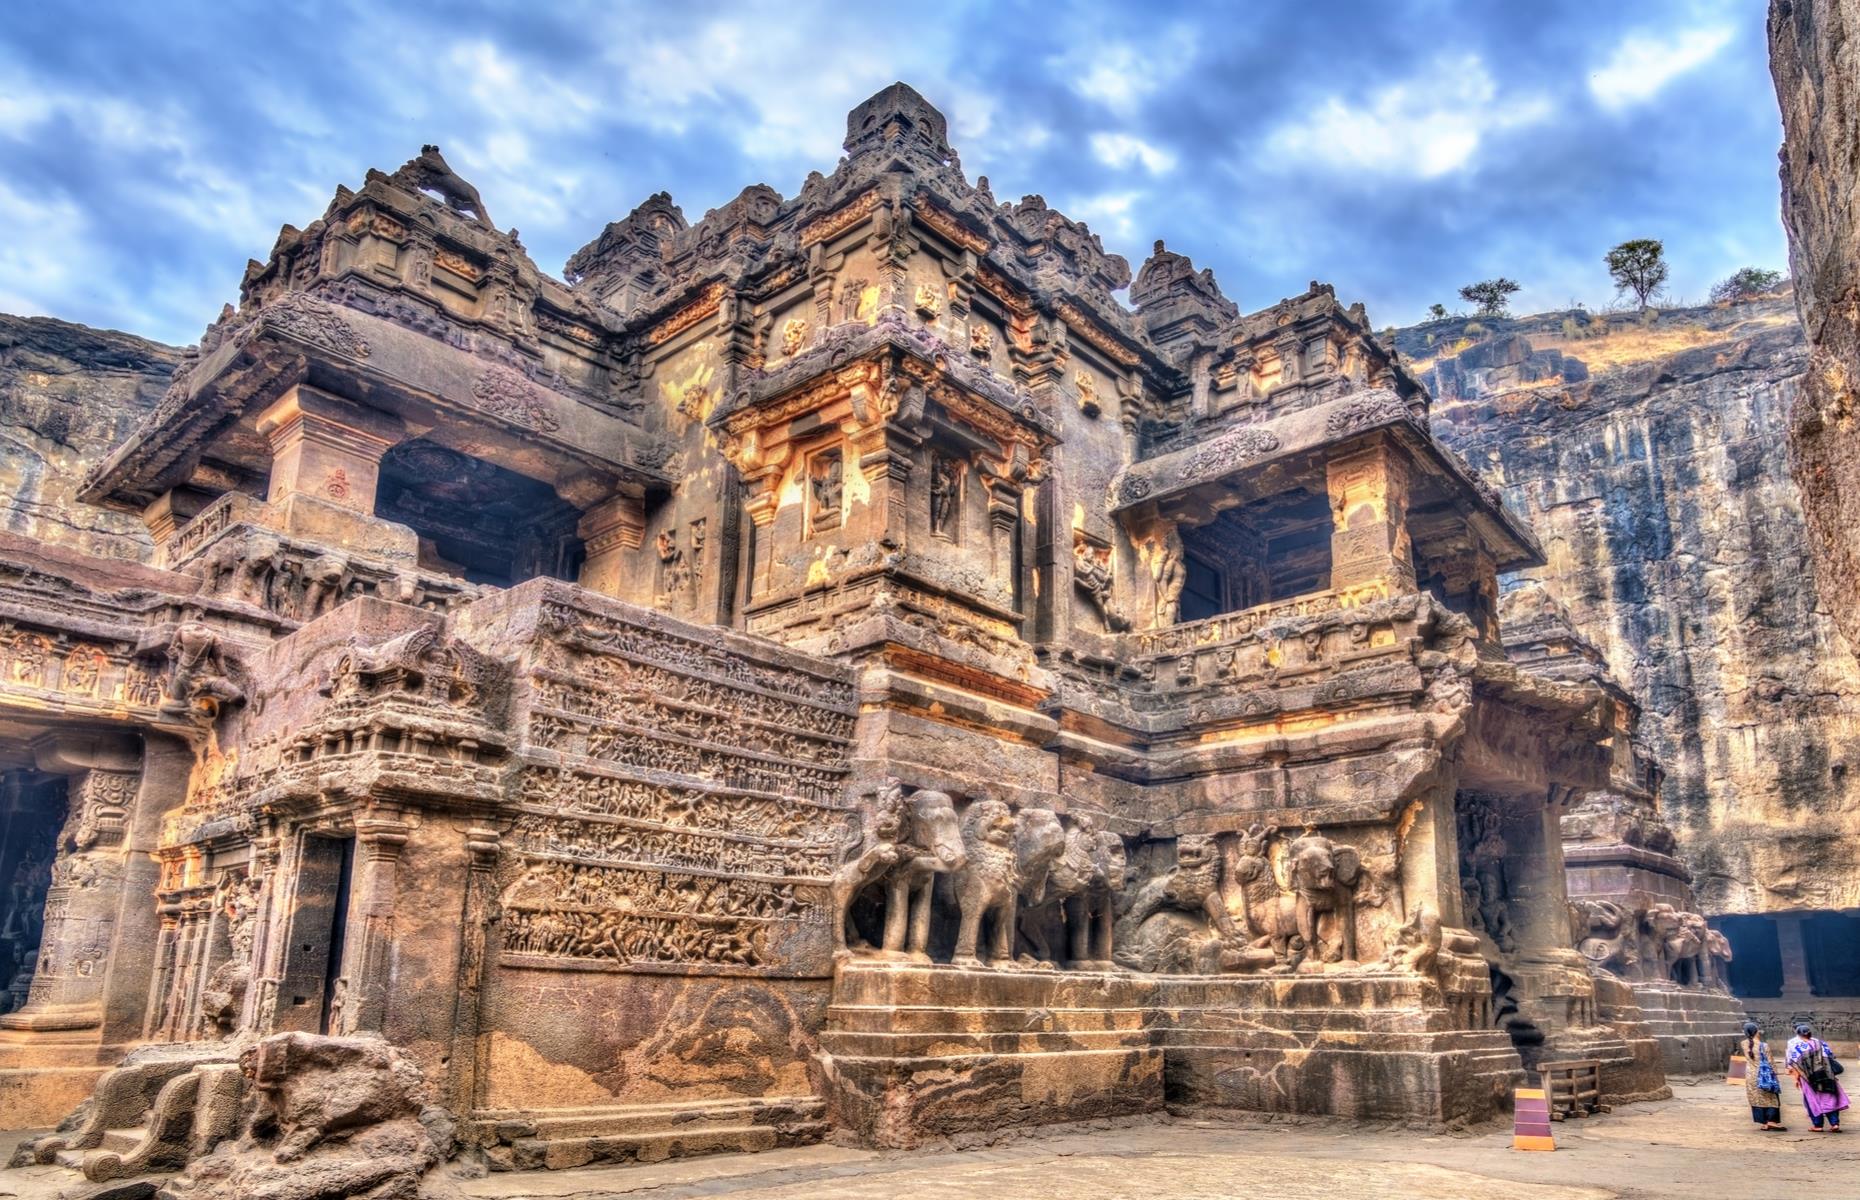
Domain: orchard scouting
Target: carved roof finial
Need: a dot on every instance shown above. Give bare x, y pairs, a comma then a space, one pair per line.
898, 118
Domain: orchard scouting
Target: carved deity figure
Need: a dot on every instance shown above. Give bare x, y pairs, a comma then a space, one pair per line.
827, 482
1483, 874
945, 487
931, 843
1091, 573
200, 679
1169, 575
222, 1000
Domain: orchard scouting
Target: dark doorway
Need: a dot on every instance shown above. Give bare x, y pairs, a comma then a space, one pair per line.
1756, 955
32, 810
310, 986
1831, 943
476, 520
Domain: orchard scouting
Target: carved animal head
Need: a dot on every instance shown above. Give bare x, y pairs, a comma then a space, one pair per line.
1038, 841
1316, 865
1717, 945
935, 830
1112, 866
1254, 838
1195, 852
988, 821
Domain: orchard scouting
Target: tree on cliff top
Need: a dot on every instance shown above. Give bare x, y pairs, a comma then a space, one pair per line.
1638, 266
1744, 283
1491, 295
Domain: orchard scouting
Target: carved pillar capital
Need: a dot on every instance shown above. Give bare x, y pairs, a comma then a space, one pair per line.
326, 447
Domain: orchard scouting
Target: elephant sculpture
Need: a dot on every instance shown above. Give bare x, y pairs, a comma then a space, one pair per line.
1674, 943
986, 885
1042, 923
1718, 954
1324, 875
930, 843
1696, 969
1089, 915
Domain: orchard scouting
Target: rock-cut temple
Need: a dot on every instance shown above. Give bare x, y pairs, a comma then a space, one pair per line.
836, 668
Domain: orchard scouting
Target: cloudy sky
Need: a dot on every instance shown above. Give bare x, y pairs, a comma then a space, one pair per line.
1398, 148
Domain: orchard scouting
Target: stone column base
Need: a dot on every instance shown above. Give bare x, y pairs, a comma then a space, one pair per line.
1697, 1030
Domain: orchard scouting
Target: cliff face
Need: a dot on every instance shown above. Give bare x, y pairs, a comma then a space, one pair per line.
1650, 459
1815, 60
68, 395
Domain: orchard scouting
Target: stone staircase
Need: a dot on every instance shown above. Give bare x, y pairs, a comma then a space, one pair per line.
556, 1139
163, 1107
913, 1052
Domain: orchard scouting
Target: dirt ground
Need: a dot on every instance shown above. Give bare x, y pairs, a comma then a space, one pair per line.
1698, 1145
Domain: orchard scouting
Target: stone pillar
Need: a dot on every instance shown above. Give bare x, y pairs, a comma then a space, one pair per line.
167, 764
1794, 951
261, 993
480, 913
1534, 870
326, 447
1369, 512
379, 842
81, 906
611, 532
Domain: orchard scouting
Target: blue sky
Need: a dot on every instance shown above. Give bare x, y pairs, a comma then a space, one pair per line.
1397, 149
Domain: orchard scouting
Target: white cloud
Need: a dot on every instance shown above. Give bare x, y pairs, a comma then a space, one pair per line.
1110, 214
1644, 63
1120, 75
1121, 150
1425, 127
38, 273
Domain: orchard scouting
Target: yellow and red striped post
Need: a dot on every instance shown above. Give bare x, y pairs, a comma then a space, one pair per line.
1530, 1120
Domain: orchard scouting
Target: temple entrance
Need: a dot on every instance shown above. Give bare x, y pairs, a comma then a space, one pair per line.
1271, 549
311, 986
476, 520
32, 810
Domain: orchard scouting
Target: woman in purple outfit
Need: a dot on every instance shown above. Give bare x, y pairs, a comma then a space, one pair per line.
1812, 1064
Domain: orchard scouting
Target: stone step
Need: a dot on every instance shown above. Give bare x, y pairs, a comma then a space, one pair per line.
911, 1044
562, 1153
660, 1118
880, 1018
117, 1141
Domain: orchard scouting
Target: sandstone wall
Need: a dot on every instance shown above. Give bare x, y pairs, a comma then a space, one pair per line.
1816, 64
1650, 459
68, 395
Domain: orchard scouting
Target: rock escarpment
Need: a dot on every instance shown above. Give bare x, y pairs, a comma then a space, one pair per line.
1816, 64
68, 396
1649, 457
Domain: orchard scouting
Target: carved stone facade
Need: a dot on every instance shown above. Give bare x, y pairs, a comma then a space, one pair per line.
833, 664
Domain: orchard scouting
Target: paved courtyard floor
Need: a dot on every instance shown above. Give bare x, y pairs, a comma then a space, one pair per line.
1700, 1144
